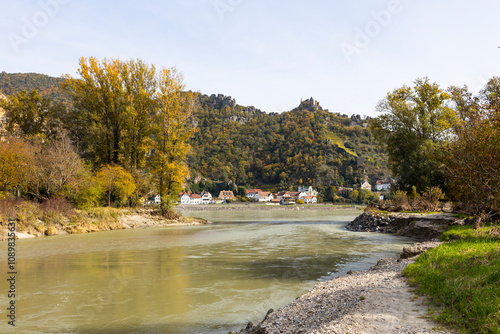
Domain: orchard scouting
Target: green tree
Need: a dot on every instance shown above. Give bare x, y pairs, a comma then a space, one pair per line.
413, 128
26, 112
473, 154
170, 135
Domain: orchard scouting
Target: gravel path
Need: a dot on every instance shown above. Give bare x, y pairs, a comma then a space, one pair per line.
373, 301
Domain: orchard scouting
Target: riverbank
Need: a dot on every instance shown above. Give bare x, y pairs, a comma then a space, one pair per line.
375, 301
90, 221
421, 226
266, 207
378, 300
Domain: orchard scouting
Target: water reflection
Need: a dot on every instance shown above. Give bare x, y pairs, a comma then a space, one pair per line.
209, 279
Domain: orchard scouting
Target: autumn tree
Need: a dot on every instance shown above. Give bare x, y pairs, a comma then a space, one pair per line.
57, 169
117, 184
113, 102
473, 154
171, 132
15, 159
415, 123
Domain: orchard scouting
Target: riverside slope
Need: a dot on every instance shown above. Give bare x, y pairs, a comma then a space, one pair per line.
375, 301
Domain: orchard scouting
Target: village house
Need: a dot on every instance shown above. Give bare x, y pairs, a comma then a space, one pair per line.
226, 195
206, 197
184, 198
252, 193
381, 185
309, 190
195, 199
264, 196
366, 185
308, 199
153, 200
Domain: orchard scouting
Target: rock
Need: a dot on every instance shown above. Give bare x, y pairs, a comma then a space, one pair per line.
417, 249
418, 226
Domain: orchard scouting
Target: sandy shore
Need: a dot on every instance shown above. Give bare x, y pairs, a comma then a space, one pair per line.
371, 302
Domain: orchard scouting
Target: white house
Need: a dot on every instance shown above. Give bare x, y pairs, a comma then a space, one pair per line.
156, 199
195, 199
302, 195
383, 185
309, 190
253, 193
264, 197
366, 186
185, 199
308, 199
206, 197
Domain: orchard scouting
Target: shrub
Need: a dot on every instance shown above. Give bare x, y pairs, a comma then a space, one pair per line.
400, 200
430, 199
51, 230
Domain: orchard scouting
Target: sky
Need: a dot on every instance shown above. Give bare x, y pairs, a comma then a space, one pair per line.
269, 54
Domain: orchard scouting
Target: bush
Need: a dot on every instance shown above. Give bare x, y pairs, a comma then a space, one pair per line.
51, 230
299, 201
430, 199
400, 200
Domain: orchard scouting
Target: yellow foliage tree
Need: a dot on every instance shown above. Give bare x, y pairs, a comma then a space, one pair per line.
170, 134
15, 159
116, 183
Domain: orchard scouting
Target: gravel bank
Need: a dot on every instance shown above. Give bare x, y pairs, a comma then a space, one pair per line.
374, 301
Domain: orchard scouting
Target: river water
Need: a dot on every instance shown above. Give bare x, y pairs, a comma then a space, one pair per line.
202, 279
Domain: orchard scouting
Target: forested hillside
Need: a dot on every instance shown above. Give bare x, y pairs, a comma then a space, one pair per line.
47, 86
307, 145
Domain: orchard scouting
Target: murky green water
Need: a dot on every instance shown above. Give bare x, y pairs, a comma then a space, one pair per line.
208, 279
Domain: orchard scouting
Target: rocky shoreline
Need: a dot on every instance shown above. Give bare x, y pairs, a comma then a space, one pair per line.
417, 226
374, 301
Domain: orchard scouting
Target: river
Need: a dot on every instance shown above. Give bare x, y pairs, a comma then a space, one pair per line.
193, 279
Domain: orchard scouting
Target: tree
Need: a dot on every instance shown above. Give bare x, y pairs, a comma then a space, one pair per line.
116, 183
414, 126
473, 154
56, 170
113, 100
15, 159
169, 152
26, 112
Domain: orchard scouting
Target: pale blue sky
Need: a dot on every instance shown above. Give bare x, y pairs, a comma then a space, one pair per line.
270, 54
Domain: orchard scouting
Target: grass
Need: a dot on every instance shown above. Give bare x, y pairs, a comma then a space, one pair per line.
337, 140
462, 277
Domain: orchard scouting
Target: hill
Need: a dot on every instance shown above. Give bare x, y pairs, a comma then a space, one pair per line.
307, 145
246, 146
47, 86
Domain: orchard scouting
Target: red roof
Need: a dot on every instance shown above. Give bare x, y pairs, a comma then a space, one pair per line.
195, 196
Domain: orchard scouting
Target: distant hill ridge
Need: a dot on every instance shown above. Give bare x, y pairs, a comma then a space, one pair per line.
244, 145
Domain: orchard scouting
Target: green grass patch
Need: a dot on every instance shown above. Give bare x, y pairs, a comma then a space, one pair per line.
462, 277
468, 233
